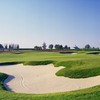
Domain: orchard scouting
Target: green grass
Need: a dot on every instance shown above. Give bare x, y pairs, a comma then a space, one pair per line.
79, 69
79, 73
80, 65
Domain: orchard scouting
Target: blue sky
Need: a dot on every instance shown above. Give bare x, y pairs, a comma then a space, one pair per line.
67, 22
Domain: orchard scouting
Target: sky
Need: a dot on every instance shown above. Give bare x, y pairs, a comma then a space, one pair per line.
67, 22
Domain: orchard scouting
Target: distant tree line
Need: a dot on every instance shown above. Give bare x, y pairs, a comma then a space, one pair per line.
88, 47
61, 47
9, 47
51, 46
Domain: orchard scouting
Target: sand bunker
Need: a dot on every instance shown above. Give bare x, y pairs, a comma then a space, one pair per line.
42, 79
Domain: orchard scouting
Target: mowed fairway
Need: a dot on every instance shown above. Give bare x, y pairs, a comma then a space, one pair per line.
80, 65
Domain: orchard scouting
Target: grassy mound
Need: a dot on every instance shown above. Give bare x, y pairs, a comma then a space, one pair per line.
78, 69
78, 73
68, 64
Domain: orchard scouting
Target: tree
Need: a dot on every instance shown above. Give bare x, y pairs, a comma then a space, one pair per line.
66, 47
9, 47
69, 48
17, 47
6, 47
44, 46
1, 47
51, 46
13, 46
87, 46
76, 48
37, 48
58, 47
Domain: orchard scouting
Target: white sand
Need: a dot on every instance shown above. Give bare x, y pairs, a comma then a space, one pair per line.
42, 79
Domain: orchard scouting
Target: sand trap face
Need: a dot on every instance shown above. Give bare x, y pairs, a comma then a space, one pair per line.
42, 79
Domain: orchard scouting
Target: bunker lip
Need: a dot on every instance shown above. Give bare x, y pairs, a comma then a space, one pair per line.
42, 79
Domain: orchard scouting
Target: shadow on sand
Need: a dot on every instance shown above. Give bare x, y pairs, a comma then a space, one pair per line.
10, 77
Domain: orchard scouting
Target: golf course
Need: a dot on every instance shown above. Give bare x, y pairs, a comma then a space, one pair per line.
79, 66
49, 50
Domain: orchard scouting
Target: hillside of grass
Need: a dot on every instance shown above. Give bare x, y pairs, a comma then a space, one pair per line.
79, 69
